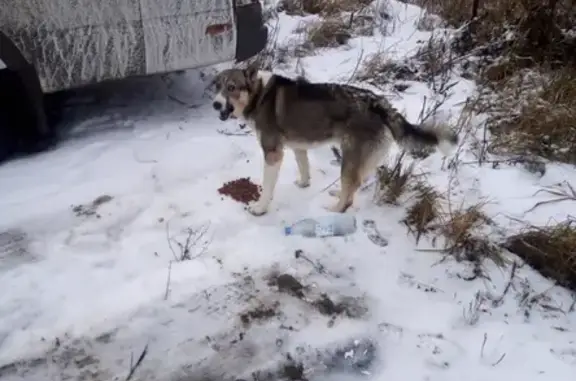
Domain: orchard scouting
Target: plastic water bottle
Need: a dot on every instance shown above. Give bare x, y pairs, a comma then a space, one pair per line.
326, 226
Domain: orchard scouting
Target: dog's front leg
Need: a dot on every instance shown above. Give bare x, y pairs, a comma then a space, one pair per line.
272, 163
303, 163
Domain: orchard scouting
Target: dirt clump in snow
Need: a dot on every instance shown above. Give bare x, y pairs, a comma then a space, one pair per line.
259, 313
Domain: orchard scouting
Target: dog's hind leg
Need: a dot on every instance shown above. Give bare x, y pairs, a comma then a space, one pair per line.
303, 163
350, 180
272, 163
369, 161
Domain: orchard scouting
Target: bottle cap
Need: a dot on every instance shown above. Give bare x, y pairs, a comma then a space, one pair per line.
287, 230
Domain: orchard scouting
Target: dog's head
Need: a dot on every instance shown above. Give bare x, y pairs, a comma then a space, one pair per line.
234, 89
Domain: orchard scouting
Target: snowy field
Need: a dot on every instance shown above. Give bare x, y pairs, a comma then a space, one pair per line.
92, 273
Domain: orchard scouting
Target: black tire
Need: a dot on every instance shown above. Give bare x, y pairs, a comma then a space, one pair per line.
23, 123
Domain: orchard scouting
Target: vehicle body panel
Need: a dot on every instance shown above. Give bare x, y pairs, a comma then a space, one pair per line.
77, 42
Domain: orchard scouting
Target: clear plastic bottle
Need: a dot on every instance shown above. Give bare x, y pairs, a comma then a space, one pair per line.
337, 224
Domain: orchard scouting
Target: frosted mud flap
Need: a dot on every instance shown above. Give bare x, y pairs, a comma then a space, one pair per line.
252, 34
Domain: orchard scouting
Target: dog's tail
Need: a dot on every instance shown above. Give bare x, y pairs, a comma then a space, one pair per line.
411, 136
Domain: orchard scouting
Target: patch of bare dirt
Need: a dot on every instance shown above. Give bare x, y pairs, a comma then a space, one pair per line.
260, 312
351, 307
91, 209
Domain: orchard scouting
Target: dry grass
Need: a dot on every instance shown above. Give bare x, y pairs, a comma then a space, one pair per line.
464, 238
432, 63
537, 24
378, 69
510, 35
460, 225
541, 122
524, 58
434, 59
549, 250
328, 33
323, 7
428, 22
463, 230
426, 209
393, 182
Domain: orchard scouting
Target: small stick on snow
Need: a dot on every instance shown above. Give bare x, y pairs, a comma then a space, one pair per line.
337, 154
358, 62
496, 302
483, 345
238, 133
563, 195
135, 366
167, 292
573, 305
170, 242
317, 265
500, 359
482, 351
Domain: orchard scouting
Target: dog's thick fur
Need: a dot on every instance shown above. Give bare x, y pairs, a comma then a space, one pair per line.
300, 115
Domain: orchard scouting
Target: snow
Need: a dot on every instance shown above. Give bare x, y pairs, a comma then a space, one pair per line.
87, 292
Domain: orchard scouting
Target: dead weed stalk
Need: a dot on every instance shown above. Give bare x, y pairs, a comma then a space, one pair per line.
563, 192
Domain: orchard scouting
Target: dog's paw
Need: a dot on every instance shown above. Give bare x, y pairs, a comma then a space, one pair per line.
338, 208
257, 209
334, 208
302, 183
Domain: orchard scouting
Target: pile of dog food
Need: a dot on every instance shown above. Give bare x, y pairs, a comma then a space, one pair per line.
242, 190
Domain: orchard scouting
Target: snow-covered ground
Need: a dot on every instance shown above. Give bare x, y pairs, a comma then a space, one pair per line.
86, 285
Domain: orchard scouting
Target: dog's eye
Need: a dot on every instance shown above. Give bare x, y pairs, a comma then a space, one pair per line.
231, 87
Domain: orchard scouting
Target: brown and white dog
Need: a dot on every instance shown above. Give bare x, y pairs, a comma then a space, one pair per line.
301, 115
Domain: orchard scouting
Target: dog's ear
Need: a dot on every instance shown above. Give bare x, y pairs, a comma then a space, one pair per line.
215, 80
251, 71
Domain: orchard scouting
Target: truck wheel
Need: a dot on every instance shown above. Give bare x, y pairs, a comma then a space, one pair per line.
23, 123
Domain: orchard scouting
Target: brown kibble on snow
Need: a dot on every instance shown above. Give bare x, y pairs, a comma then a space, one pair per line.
242, 190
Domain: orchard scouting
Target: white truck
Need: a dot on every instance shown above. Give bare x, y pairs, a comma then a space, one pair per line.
52, 45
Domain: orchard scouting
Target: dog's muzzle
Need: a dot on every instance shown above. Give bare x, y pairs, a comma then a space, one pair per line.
225, 109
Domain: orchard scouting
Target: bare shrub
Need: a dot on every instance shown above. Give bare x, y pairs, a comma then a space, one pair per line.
192, 244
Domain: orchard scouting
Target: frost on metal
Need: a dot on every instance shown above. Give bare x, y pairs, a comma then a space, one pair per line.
76, 42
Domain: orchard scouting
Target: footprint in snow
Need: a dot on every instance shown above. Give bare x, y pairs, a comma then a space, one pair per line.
371, 230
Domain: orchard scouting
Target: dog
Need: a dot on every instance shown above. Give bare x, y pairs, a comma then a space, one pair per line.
301, 115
